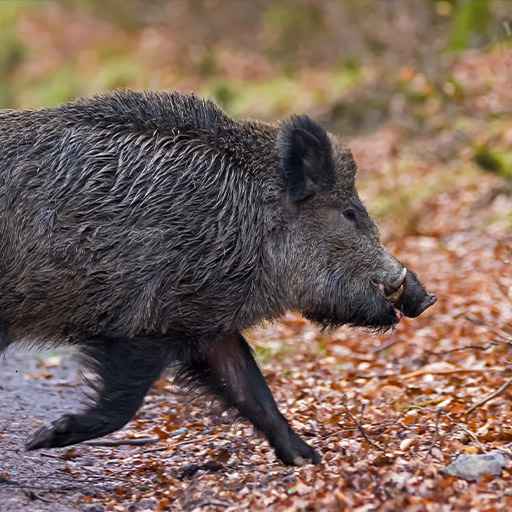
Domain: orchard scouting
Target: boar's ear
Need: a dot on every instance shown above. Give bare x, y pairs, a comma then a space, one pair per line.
306, 159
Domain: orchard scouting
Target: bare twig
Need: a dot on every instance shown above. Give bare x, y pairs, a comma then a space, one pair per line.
504, 336
471, 434
153, 450
483, 348
31, 495
421, 372
51, 456
120, 442
437, 435
360, 427
503, 289
28, 486
490, 397
206, 503
379, 424
387, 345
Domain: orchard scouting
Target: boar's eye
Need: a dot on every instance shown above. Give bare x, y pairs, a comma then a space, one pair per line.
350, 214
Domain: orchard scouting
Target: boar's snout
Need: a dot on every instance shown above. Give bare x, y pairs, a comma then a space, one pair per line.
414, 299
402, 288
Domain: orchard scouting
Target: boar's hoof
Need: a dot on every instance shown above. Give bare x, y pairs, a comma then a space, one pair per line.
68, 429
295, 452
51, 436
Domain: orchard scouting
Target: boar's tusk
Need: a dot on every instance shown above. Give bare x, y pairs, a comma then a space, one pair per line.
400, 281
396, 295
394, 290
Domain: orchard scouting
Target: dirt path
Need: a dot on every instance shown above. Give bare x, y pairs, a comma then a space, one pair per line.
31, 394
36, 388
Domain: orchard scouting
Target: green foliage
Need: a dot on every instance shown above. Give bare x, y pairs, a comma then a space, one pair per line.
404, 204
11, 48
272, 352
118, 72
51, 90
493, 160
471, 22
129, 14
280, 95
208, 64
290, 26
276, 96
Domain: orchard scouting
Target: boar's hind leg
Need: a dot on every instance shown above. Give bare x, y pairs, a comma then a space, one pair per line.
228, 369
126, 369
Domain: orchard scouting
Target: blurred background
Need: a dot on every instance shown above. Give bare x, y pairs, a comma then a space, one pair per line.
411, 83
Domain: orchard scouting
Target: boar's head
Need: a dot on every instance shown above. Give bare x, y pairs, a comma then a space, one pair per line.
327, 250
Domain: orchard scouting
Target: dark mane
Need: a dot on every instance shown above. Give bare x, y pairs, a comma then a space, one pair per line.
143, 111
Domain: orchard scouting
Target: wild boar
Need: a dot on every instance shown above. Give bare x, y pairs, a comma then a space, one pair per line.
150, 229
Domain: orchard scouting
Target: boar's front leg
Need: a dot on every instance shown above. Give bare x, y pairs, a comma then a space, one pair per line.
126, 369
227, 367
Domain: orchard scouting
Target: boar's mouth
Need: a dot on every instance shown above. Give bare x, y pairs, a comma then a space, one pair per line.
408, 295
378, 307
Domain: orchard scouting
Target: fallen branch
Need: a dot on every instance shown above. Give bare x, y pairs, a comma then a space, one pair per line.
490, 397
120, 442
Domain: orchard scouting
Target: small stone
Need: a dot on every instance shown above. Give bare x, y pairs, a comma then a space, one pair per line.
473, 467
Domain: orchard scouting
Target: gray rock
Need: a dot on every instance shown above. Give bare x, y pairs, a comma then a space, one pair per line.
473, 467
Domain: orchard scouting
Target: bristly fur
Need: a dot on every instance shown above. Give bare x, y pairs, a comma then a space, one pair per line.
149, 111
124, 215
